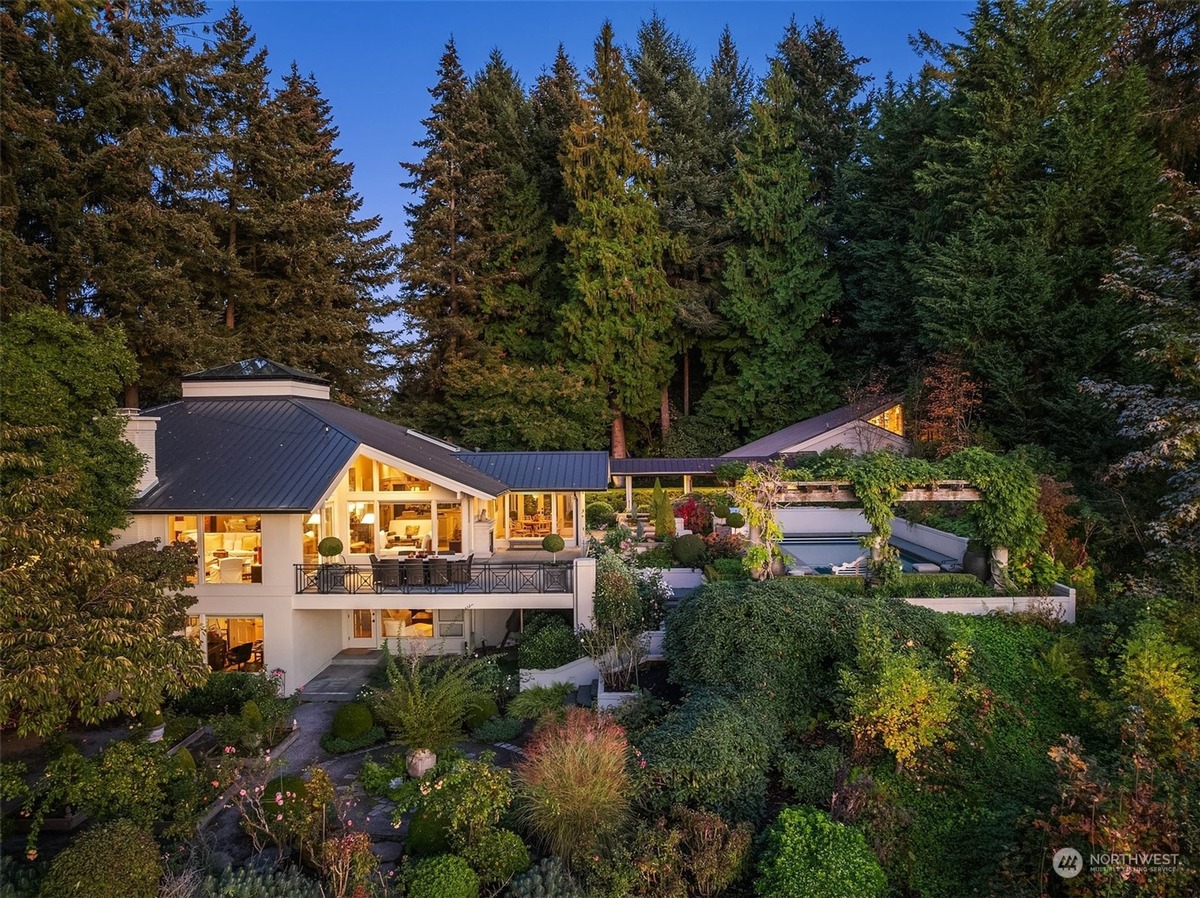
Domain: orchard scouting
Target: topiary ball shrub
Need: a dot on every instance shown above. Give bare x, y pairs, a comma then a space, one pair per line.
351, 721
689, 550
116, 859
736, 520
185, 762
445, 876
721, 510
599, 514
553, 543
807, 855
497, 856
481, 708
329, 546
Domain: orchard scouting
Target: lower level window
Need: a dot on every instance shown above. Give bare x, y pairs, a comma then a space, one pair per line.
232, 643
407, 623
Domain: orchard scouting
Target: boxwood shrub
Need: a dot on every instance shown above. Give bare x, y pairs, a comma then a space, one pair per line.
599, 514
445, 876
548, 644
117, 858
806, 854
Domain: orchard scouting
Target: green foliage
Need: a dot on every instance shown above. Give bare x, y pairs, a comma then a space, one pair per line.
481, 708
426, 702
499, 729
549, 879
336, 746
661, 512
247, 883
932, 586
689, 550
726, 569
117, 858
713, 752
224, 692
811, 773
445, 876
329, 547
537, 701
63, 413
617, 604
463, 801
426, 836
553, 543
497, 856
21, 879
897, 698
351, 721
736, 520
599, 514
574, 786
1162, 678
807, 855
376, 778
781, 640
549, 645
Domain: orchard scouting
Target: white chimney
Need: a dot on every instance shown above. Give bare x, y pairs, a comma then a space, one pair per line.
140, 430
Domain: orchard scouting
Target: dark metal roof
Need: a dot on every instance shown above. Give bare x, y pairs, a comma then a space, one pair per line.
276, 454
801, 432
256, 369
544, 470
648, 467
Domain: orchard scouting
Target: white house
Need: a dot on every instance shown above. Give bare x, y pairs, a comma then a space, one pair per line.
256, 465
864, 426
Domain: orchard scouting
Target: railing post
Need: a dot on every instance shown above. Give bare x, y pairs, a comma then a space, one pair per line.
584, 591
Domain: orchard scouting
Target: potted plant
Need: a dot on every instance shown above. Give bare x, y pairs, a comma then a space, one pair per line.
332, 576
555, 578
553, 543
155, 725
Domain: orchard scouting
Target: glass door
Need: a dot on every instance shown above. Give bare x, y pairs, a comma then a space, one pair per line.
360, 626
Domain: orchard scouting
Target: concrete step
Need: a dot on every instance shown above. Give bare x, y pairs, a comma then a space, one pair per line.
358, 656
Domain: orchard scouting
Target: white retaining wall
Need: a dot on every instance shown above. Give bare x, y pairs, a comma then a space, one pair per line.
938, 542
580, 672
818, 520
1063, 601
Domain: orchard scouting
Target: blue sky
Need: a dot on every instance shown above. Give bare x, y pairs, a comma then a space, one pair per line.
375, 61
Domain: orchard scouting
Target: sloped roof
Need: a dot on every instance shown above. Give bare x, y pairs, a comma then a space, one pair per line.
277, 453
653, 467
803, 431
532, 471
255, 369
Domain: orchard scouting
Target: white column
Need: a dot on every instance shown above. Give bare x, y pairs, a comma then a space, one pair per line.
687, 483
554, 512
433, 525
585, 591
628, 493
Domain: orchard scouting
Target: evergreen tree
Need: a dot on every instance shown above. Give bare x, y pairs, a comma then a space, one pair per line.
778, 282
556, 107
885, 219
320, 267
619, 316
1044, 171
441, 262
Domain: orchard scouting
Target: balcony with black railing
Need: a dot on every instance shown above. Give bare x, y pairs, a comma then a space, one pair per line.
436, 577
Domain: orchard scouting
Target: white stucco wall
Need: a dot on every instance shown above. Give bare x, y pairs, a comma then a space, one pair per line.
817, 519
939, 542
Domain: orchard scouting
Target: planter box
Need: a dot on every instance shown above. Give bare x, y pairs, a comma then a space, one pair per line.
606, 701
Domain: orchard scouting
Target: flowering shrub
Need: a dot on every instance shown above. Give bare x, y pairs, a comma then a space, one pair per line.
574, 785
465, 801
497, 856
654, 592
717, 546
348, 864
284, 811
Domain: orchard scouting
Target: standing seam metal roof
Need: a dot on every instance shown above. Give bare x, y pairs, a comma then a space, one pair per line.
803, 431
553, 471
277, 454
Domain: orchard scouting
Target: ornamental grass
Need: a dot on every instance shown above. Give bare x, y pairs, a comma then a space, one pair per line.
574, 784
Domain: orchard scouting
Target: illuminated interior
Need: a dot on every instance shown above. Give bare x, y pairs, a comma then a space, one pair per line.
891, 420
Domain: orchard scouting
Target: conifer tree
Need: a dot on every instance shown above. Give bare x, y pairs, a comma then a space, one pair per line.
320, 267
1043, 172
778, 282
619, 316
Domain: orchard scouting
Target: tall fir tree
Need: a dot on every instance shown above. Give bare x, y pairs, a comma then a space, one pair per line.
320, 267
441, 262
778, 281
1043, 172
619, 315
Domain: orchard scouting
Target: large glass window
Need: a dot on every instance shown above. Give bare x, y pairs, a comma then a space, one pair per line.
185, 529
406, 526
449, 527
406, 623
362, 527
394, 480
362, 475
232, 548
234, 643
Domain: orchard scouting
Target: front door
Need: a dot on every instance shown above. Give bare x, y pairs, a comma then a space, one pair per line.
360, 629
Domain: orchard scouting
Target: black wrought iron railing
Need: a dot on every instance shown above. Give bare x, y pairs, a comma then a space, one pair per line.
456, 577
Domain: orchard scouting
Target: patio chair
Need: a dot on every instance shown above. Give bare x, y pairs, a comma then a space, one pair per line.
414, 572
460, 571
439, 572
386, 573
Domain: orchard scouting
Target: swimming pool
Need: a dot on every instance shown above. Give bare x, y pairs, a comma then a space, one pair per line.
821, 553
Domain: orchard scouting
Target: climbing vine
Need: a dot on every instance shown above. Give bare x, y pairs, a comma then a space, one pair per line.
1006, 515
